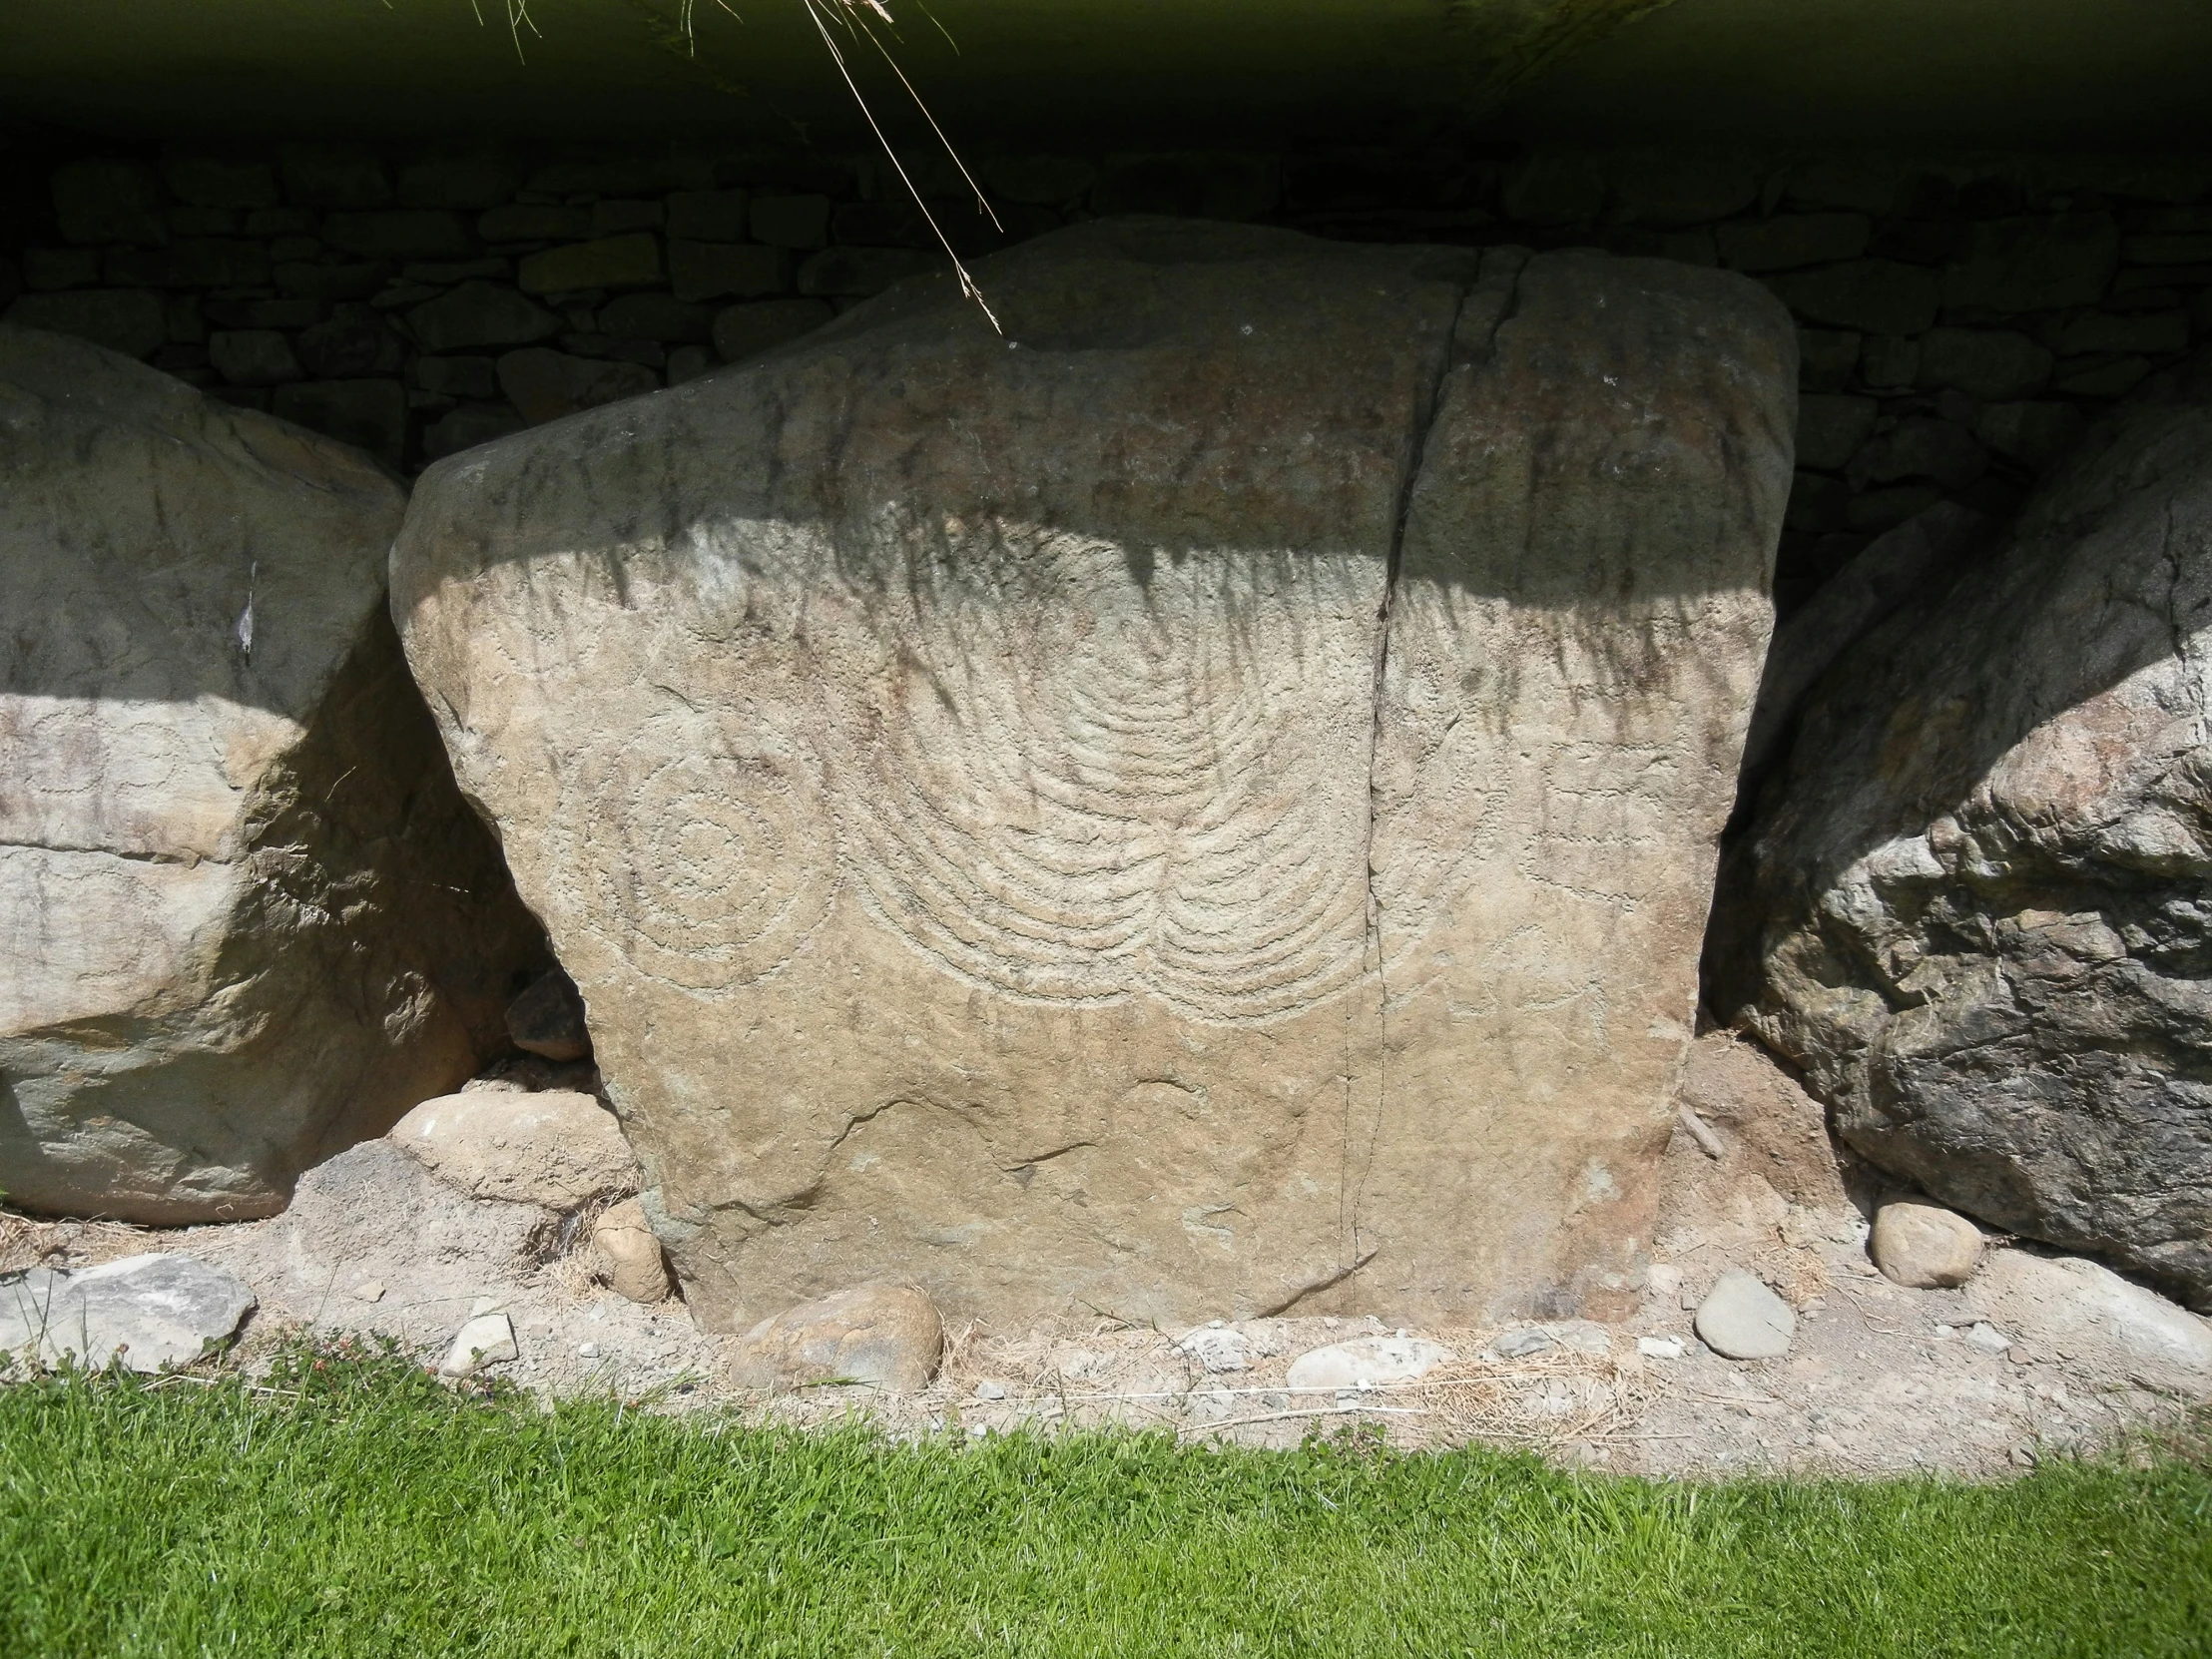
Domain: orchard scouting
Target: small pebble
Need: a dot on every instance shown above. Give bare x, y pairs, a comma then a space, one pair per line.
369, 1290
587, 1350
987, 1389
1660, 1347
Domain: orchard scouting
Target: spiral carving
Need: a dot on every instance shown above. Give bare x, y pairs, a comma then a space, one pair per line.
1121, 788
705, 862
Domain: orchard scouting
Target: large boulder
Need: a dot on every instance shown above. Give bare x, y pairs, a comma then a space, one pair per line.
245, 918
1977, 906
1202, 803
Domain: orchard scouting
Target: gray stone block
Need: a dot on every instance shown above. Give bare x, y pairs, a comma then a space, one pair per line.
354, 342
611, 218
1831, 427
252, 356
480, 314
534, 222
1554, 189
1921, 447
46, 270
480, 179
331, 281
398, 233
190, 263
2034, 265
1672, 186
1878, 296
544, 385
858, 271
370, 414
218, 182
109, 201
728, 271
474, 378
129, 321
709, 214
467, 428
1825, 357
332, 176
657, 316
1793, 241
1199, 184
795, 222
742, 331
625, 261
2154, 331
2033, 435
1041, 181
1992, 366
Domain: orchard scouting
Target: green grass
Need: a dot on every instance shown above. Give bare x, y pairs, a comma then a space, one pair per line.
378, 1515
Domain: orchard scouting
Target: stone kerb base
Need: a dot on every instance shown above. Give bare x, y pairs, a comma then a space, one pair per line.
1204, 803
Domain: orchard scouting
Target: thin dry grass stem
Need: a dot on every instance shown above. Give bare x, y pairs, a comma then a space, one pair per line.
518, 14
849, 11
27, 1242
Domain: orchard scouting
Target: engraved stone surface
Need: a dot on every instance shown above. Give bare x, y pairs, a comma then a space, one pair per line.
1202, 803
244, 916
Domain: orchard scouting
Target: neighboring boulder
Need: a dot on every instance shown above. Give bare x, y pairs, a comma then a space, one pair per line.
557, 1149
1973, 908
886, 1337
986, 785
629, 1255
548, 1020
147, 1312
246, 918
1740, 1318
2088, 1314
1923, 1246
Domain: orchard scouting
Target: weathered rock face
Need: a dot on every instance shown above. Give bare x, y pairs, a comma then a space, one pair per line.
1202, 804
1975, 908
244, 916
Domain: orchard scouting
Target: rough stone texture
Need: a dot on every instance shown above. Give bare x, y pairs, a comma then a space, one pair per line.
545, 384
1924, 1246
369, 415
1971, 909
129, 321
1740, 1318
1768, 1126
145, 1310
2087, 1313
556, 1149
1368, 1362
247, 917
1885, 573
629, 1254
742, 331
548, 1020
486, 1340
984, 858
886, 1337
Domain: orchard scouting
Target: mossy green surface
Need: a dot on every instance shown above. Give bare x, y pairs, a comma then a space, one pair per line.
364, 1512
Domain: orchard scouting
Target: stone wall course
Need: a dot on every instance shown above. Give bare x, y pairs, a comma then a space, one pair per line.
2027, 290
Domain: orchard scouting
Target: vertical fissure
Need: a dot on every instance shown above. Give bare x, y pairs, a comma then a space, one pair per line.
1352, 1190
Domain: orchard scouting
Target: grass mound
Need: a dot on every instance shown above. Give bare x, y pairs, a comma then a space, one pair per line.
349, 1505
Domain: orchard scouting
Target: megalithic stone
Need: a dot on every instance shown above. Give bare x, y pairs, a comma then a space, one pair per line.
246, 918
1203, 802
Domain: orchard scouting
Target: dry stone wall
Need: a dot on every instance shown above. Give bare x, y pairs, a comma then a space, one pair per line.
1961, 316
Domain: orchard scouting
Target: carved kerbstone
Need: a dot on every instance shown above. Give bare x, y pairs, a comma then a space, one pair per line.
1200, 804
